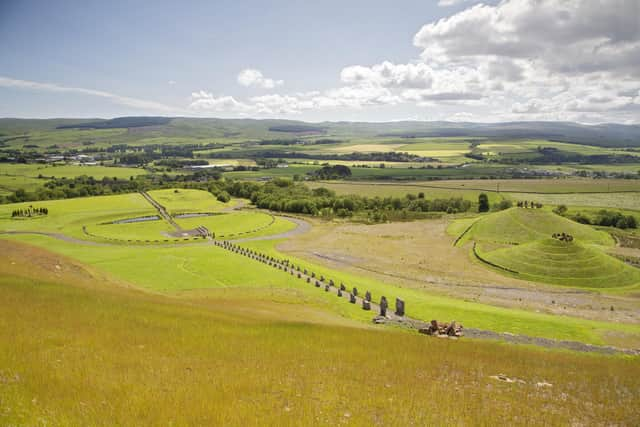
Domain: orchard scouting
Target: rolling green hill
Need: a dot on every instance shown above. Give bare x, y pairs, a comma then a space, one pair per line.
518, 225
563, 263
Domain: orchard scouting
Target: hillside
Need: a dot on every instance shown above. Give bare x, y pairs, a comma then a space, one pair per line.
605, 135
519, 225
563, 263
91, 352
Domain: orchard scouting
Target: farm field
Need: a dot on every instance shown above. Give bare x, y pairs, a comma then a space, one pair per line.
378, 189
178, 201
30, 177
154, 354
68, 216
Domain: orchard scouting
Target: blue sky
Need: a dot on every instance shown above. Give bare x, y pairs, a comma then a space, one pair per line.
330, 60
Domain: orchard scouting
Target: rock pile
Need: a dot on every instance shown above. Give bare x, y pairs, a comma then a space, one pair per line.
445, 329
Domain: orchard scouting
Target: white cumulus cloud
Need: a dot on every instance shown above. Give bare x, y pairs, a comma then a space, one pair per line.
251, 77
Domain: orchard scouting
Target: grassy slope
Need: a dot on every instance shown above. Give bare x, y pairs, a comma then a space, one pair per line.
68, 216
517, 225
192, 267
91, 353
187, 200
569, 264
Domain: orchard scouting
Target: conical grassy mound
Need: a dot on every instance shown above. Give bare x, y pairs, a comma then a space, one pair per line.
563, 263
519, 225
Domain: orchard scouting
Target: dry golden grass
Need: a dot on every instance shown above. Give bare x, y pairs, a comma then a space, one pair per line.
78, 350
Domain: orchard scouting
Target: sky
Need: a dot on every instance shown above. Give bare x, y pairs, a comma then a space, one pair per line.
351, 60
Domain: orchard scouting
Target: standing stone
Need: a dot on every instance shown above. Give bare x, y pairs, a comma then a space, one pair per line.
317, 284
308, 279
367, 296
355, 291
343, 287
352, 298
339, 292
399, 307
326, 288
366, 305
383, 306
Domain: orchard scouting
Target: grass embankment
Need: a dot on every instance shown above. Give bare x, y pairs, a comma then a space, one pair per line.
79, 350
564, 263
519, 242
518, 225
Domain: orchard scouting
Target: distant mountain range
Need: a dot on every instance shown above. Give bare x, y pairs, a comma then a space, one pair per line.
607, 135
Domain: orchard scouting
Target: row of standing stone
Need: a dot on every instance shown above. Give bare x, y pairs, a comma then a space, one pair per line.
286, 266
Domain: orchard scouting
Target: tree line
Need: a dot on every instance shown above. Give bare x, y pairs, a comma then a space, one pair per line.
29, 212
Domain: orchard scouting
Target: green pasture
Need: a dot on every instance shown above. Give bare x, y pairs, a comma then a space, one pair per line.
239, 224
180, 200
68, 216
544, 186
629, 201
379, 189
35, 170
519, 146
563, 263
11, 183
147, 230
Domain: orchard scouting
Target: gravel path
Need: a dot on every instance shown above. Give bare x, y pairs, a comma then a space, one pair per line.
302, 227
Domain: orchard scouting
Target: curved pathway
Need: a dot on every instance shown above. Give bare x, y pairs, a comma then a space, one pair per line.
302, 227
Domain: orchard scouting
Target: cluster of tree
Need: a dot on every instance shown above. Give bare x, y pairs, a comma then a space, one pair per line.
181, 163
614, 219
83, 186
391, 156
604, 218
332, 172
29, 212
286, 196
529, 204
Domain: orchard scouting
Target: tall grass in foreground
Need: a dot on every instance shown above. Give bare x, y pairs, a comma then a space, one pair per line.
74, 351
